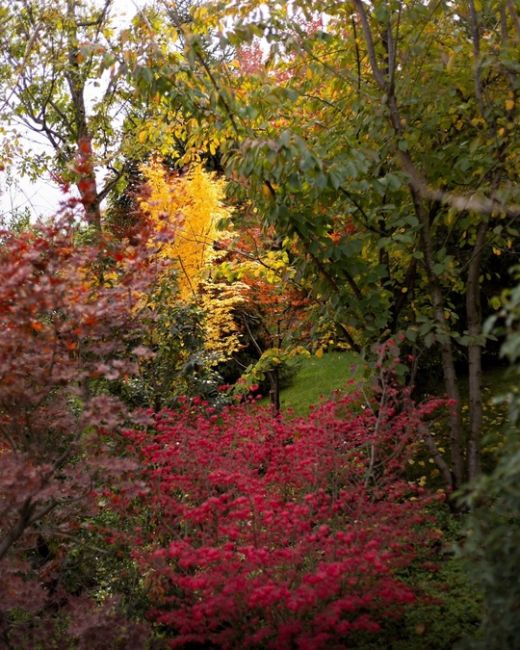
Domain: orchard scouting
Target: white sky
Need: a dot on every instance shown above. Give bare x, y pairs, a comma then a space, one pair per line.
43, 197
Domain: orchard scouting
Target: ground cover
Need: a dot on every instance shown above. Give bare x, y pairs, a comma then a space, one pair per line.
317, 377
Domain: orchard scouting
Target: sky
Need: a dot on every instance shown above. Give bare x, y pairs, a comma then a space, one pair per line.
43, 197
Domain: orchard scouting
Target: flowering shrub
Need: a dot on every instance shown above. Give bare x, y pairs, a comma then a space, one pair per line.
260, 532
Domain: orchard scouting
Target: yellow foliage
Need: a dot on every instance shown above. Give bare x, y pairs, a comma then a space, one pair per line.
191, 205
218, 302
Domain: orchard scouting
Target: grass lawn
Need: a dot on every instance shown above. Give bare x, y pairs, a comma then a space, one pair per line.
316, 378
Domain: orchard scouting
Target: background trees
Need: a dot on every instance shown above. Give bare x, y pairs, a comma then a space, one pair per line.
367, 191
389, 157
389, 160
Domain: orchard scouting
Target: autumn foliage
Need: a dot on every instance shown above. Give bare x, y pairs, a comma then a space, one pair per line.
259, 532
67, 332
246, 530
190, 206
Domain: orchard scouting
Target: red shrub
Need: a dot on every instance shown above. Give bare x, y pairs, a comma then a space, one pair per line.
267, 533
64, 329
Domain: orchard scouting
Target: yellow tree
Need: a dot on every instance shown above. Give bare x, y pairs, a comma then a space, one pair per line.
191, 205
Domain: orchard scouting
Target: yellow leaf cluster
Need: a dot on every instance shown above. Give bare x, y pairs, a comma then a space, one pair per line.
218, 302
190, 205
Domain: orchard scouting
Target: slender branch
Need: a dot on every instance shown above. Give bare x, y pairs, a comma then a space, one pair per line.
461, 202
392, 47
359, 208
251, 336
22, 64
358, 55
110, 184
376, 70
217, 88
475, 35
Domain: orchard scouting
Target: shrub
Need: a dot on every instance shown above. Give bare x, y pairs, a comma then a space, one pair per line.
66, 325
257, 532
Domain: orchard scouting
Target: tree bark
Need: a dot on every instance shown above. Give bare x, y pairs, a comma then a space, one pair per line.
274, 392
474, 318
386, 85
445, 344
87, 183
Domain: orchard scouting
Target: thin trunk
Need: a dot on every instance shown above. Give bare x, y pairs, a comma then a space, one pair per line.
474, 318
274, 393
445, 344
13, 534
87, 183
385, 83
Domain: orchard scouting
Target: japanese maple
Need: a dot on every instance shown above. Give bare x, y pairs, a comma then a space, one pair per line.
68, 316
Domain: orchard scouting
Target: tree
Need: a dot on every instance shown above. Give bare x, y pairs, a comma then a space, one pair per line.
62, 79
399, 192
275, 310
489, 106
494, 522
65, 338
191, 326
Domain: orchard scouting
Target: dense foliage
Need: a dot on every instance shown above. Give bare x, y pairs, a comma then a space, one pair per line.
495, 523
255, 532
258, 183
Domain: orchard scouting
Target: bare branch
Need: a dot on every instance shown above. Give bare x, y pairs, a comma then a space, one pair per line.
376, 70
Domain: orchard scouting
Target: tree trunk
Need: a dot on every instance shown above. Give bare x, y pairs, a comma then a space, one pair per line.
445, 344
274, 392
474, 318
86, 184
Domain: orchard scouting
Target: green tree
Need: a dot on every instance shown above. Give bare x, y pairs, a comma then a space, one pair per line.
63, 79
383, 137
494, 525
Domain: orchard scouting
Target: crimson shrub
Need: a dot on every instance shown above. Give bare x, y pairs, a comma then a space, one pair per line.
256, 532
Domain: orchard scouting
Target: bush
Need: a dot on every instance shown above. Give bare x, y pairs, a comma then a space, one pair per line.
65, 327
256, 532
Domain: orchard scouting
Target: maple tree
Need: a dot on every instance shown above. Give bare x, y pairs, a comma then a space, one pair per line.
274, 309
64, 335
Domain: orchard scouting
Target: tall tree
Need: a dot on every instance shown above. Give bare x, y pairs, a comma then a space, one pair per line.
392, 157
62, 80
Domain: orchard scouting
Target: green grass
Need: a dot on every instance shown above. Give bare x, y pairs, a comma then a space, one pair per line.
316, 378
